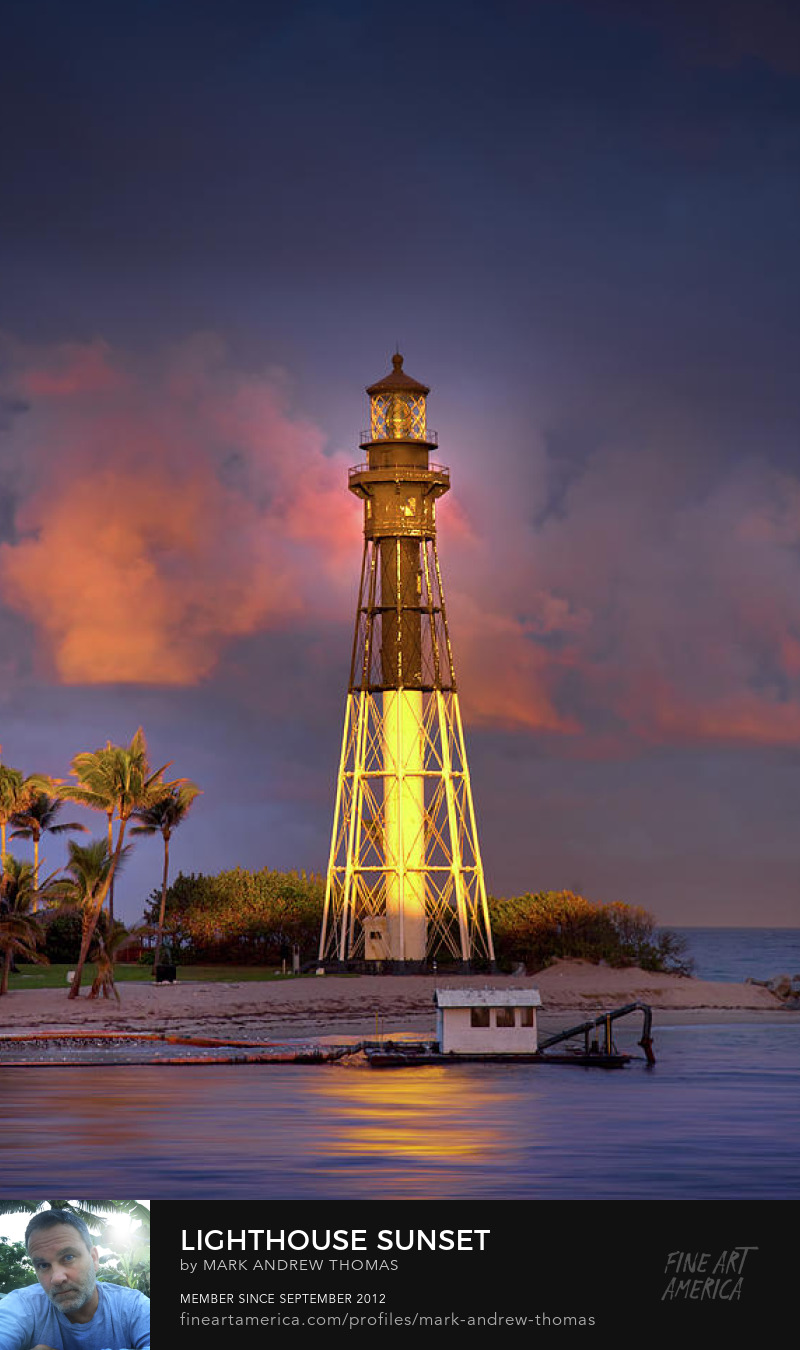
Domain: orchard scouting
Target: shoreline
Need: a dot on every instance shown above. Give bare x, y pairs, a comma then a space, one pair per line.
332, 1008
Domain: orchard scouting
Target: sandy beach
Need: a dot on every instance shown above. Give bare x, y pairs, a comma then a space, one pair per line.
338, 1007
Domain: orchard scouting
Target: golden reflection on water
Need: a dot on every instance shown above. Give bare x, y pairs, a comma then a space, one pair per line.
430, 1113
716, 1120
54, 1108
283, 1130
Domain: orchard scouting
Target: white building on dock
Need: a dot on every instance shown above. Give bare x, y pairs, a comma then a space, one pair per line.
487, 1021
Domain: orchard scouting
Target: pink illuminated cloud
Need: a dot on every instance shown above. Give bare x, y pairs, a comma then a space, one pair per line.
645, 611
168, 513
169, 508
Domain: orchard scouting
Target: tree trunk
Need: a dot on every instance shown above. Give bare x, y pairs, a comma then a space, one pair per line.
163, 910
88, 934
86, 941
110, 851
6, 969
35, 872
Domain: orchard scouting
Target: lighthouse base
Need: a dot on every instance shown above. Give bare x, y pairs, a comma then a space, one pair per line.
404, 967
405, 885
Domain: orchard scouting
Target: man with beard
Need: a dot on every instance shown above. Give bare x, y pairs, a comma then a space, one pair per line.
68, 1309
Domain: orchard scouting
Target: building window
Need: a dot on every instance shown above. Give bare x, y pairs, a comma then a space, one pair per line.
479, 1017
505, 1017
526, 1017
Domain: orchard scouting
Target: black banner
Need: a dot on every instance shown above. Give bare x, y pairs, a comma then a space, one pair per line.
226, 1273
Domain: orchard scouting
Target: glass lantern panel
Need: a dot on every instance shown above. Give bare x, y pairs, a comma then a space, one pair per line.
397, 416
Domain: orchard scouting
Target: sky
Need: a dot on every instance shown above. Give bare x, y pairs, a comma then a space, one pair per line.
578, 222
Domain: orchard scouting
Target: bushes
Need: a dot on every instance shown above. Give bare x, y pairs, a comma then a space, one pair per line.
535, 929
63, 936
16, 1270
247, 917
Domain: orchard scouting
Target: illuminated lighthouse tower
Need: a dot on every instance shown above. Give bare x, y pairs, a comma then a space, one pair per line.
405, 881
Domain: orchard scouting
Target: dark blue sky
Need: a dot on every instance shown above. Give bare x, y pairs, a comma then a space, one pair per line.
579, 222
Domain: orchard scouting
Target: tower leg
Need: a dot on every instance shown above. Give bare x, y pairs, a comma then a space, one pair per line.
455, 833
482, 905
329, 911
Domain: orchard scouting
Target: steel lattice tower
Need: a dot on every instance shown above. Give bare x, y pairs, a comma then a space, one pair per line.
405, 881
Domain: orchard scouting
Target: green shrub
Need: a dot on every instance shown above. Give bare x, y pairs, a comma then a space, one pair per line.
63, 936
536, 929
16, 1270
241, 916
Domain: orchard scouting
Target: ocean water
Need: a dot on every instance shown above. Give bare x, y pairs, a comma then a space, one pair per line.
736, 953
718, 1117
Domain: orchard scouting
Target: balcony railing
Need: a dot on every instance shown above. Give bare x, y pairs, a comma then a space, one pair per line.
387, 468
430, 438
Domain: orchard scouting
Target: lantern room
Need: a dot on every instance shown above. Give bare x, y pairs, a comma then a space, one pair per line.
397, 408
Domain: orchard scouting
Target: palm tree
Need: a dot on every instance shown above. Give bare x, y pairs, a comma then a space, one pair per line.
83, 888
15, 794
108, 779
36, 818
97, 787
110, 937
20, 930
163, 817
125, 775
11, 781
86, 872
93, 1212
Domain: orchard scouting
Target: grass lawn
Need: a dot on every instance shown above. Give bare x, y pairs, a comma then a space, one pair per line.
55, 976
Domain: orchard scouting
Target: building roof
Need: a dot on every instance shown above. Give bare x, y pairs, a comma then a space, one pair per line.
397, 380
487, 998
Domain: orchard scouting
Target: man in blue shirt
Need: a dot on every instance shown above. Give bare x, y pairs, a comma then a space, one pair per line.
68, 1309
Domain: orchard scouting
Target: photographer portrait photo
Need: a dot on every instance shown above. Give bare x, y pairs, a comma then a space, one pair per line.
71, 1274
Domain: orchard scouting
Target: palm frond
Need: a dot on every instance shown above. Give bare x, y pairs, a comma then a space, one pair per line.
39, 815
93, 1212
88, 868
169, 810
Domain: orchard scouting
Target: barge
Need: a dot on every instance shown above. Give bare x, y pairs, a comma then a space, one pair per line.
489, 1026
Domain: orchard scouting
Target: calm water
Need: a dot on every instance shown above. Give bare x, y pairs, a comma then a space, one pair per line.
735, 953
718, 1117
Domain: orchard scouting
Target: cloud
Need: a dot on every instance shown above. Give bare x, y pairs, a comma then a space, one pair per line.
656, 607
510, 681
167, 508
170, 508
69, 369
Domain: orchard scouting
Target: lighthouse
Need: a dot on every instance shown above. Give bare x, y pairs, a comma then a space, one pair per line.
405, 884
